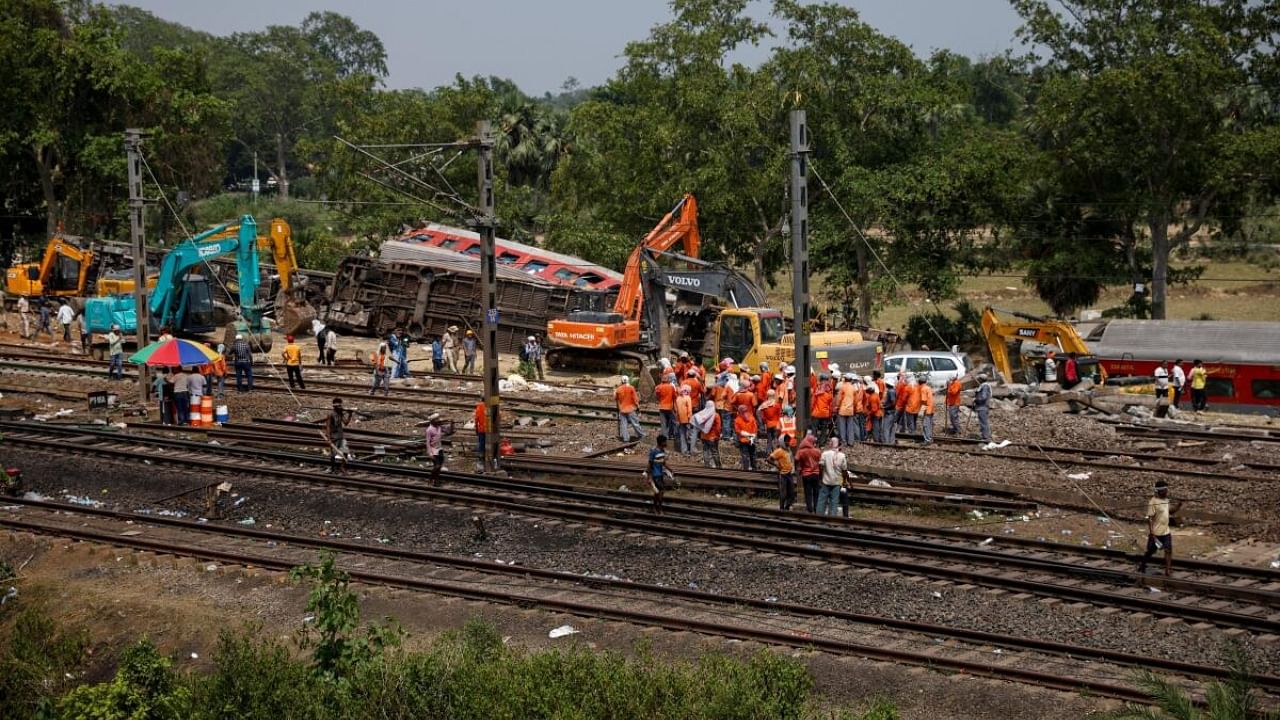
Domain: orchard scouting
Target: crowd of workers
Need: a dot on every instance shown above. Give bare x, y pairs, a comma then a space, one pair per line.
751, 409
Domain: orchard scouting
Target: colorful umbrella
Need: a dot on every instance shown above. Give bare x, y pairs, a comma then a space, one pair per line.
172, 352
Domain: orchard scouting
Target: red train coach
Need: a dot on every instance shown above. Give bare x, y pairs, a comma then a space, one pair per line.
1242, 358
543, 264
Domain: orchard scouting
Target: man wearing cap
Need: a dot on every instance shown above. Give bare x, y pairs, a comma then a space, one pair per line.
953, 406
1158, 535
470, 344
1050, 367
335, 433
666, 392
451, 348
242, 359
533, 354
847, 401
628, 410
435, 447
982, 405
437, 354
292, 355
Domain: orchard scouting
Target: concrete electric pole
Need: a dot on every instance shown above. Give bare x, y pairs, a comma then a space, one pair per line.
800, 263
489, 290
137, 203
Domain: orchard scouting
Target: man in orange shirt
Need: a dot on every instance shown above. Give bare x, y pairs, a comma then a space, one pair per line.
707, 422
482, 427
822, 410
953, 406
695, 387
912, 404
770, 412
745, 430
875, 411
926, 410
666, 394
847, 401
684, 417
628, 410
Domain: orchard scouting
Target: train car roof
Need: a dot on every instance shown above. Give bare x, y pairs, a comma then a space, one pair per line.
1209, 340
400, 251
523, 248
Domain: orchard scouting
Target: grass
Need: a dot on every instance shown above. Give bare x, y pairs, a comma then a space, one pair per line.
1229, 291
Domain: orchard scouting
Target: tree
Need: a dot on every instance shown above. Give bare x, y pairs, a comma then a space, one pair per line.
1161, 111
289, 84
680, 117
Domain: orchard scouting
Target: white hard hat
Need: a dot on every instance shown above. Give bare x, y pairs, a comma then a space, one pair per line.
239, 336
531, 338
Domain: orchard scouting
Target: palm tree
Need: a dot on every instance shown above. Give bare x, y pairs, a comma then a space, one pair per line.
1233, 699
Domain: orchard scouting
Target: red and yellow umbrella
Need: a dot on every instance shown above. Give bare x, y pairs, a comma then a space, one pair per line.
173, 352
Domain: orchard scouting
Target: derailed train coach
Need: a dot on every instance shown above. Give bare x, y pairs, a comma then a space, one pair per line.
1242, 358
425, 290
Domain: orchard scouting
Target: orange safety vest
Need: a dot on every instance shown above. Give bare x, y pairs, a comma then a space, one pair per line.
787, 426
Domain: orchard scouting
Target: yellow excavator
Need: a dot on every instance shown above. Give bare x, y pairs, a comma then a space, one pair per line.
63, 271
1018, 347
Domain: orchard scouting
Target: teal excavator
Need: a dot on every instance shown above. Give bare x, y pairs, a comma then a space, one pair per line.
181, 299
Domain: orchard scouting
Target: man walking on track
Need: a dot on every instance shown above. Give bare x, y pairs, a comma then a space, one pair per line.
380, 371
658, 472
293, 363
335, 433
982, 405
435, 447
1158, 535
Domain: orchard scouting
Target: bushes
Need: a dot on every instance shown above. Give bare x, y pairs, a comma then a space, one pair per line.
36, 662
965, 329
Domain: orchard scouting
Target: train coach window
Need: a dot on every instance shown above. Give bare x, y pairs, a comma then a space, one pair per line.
533, 267
507, 258
1265, 389
565, 275
473, 250
449, 244
1220, 387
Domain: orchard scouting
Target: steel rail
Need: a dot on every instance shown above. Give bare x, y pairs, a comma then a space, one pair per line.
490, 567
662, 526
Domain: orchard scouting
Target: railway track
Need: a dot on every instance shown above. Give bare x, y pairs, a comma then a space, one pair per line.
1032, 661
1217, 594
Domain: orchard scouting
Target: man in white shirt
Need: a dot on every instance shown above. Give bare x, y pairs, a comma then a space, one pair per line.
834, 466
1162, 381
24, 314
66, 316
1179, 380
435, 448
1050, 368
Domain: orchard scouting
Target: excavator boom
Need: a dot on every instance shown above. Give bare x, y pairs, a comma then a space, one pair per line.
1059, 335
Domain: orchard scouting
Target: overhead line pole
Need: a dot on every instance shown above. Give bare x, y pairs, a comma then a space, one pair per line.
800, 263
485, 226
137, 203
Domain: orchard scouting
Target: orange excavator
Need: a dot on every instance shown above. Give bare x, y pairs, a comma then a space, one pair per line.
620, 329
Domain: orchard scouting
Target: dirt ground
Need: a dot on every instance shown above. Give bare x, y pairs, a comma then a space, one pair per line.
121, 596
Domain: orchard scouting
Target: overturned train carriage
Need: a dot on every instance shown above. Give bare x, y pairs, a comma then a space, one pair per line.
425, 290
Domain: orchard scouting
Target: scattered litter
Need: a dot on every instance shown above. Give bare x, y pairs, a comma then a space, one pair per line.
83, 500
1085, 543
10, 594
1080, 476
771, 598
240, 502
211, 567
1154, 590
11, 508
977, 514
33, 495
996, 446
1275, 564
1104, 519
986, 542
131, 533
879, 483
998, 651
1066, 532
248, 521
195, 656
937, 594
562, 631
308, 618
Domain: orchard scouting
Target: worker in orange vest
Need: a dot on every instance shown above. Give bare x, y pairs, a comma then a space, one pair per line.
380, 371
218, 372
695, 386
628, 410
482, 427
953, 406
875, 413
823, 408
745, 429
912, 404
770, 412
666, 394
926, 410
684, 417
848, 398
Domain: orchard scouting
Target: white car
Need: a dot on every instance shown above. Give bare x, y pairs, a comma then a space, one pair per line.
940, 366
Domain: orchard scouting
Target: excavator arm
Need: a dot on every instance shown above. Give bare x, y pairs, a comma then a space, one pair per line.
222, 240
678, 226
1059, 334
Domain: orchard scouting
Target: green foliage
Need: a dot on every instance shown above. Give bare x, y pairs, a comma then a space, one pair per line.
1234, 699
337, 651
37, 661
145, 687
965, 329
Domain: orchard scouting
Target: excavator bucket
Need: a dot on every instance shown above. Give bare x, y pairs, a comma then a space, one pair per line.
293, 312
259, 340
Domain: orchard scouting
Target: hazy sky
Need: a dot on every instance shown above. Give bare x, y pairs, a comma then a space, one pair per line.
540, 43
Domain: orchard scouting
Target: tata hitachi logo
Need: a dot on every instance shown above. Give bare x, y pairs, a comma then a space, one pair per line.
684, 281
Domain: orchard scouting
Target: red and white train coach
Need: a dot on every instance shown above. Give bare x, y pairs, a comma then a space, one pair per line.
553, 267
1242, 358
